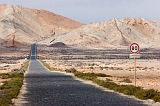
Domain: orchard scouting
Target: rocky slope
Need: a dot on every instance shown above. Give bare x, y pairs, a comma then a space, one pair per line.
27, 25
114, 33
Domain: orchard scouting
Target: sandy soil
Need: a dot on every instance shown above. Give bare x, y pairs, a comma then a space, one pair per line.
6, 68
148, 71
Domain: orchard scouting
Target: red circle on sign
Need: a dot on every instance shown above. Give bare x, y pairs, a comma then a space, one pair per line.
132, 51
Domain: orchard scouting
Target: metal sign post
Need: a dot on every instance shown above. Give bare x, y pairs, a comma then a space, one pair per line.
134, 49
134, 71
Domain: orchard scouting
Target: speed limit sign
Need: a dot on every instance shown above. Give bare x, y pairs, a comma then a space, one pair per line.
134, 48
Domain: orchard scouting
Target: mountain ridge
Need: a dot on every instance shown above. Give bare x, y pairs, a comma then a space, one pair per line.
26, 25
114, 33
29, 25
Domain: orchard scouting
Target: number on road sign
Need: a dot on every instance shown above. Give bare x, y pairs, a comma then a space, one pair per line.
134, 48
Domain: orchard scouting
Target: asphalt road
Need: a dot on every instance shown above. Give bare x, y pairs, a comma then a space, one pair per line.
45, 88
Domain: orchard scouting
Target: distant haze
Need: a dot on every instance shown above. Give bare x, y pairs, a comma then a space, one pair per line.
87, 11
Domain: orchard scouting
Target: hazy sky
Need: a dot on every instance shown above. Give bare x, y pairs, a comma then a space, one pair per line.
95, 10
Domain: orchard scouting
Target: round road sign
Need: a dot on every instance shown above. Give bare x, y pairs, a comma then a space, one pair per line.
134, 48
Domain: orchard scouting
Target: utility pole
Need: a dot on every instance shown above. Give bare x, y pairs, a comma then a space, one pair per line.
13, 41
11, 37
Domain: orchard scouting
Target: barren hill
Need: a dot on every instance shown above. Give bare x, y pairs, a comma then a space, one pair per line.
28, 25
114, 33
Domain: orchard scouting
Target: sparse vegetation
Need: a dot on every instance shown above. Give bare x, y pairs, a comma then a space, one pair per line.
102, 75
47, 66
126, 80
11, 87
138, 92
50, 68
71, 70
90, 75
115, 68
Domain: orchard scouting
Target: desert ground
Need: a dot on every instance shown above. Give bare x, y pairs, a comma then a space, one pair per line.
148, 71
112, 62
12, 58
99, 47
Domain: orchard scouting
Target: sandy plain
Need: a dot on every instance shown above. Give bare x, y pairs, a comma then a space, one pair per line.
147, 71
12, 58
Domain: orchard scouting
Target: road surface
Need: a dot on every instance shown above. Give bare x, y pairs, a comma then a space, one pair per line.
45, 88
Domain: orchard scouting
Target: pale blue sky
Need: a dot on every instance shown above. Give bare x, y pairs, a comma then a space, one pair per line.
87, 11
